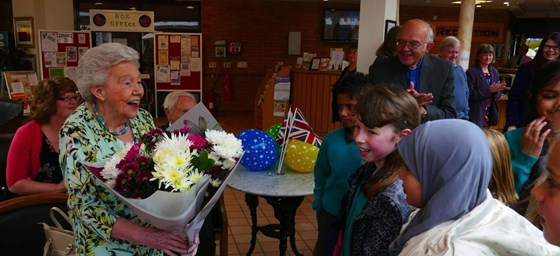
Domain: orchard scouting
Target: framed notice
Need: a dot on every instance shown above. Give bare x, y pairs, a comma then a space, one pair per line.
19, 85
23, 29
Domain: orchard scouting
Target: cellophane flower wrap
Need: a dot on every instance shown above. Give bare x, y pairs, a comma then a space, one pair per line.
166, 176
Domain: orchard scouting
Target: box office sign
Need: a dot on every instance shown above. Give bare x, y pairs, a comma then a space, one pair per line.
482, 32
123, 21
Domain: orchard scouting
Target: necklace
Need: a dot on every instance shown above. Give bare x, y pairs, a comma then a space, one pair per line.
102, 122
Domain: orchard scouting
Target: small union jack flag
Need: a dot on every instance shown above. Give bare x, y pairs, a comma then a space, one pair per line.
298, 129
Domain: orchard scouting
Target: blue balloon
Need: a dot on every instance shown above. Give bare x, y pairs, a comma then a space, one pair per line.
261, 150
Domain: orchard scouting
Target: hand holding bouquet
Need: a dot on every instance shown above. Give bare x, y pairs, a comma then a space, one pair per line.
164, 177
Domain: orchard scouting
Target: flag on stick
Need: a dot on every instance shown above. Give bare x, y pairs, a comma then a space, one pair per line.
295, 127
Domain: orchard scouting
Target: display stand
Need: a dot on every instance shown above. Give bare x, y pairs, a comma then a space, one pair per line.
178, 64
19, 85
60, 51
266, 107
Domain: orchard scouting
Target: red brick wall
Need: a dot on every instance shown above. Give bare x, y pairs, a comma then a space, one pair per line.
262, 27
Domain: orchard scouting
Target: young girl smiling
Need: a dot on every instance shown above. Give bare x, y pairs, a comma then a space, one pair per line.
375, 207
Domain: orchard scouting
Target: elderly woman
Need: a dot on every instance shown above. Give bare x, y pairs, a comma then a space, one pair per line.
484, 88
108, 79
32, 164
446, 177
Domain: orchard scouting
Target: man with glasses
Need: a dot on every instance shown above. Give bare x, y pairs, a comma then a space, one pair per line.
428, 78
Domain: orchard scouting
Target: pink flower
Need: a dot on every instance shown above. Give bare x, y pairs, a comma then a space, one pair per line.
198, 142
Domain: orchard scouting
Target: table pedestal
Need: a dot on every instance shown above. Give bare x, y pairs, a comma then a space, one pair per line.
285, 211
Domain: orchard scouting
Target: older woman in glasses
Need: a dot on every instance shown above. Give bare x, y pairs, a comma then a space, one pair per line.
33, 165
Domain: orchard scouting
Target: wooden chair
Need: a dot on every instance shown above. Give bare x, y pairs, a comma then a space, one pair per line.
19, 233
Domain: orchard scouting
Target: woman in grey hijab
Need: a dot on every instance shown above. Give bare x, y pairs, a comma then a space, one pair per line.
449, 166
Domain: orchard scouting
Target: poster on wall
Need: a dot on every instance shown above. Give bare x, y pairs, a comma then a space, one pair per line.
177, 62
123, 21
60, 51
19, 85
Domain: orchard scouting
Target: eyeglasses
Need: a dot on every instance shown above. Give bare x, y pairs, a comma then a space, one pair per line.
69, 98
411, 44
551, 47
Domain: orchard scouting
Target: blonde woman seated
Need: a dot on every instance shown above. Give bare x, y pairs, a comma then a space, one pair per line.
32, 164
448, 168
501, 185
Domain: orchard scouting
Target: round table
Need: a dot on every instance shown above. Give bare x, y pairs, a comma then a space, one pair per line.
284, 192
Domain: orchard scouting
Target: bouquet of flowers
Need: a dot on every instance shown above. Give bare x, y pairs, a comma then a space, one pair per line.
165, 177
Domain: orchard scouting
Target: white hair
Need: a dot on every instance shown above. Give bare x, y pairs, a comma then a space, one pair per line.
171, 98
95, 66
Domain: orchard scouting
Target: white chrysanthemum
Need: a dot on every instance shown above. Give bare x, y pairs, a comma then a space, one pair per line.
215, 182
215, 136
177, 142
228, 164
110, 171
224, 144
171, 177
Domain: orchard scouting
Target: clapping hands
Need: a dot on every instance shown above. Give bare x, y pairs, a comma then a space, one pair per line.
497, 87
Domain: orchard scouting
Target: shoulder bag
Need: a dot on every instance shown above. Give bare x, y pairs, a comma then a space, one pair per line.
60, 242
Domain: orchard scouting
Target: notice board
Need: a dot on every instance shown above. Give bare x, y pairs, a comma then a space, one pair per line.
178, 61
60, 52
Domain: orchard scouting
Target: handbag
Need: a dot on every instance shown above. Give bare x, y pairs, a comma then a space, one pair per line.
60, 242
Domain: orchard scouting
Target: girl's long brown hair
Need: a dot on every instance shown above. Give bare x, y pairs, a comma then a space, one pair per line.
377, 106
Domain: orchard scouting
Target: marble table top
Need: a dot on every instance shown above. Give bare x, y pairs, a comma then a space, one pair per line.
268, 183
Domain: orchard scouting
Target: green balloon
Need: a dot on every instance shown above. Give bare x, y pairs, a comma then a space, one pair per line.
273, 130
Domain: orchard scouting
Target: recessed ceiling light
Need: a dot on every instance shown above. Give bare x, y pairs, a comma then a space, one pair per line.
190, 7
478, 5
132, 8
98, 3
478, 2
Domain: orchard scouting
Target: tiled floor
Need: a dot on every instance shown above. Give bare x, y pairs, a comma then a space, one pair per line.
239, 217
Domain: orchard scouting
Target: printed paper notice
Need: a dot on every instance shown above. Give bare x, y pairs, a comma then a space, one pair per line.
280, 107
175, 39
65, 38
282, 88
196, 65
163, 43
185, 69
50, 59
71, 53
175, 64
175, 78
162, 73
70, 72
81, 38
163, 57
48, 41
81, 51
61, 59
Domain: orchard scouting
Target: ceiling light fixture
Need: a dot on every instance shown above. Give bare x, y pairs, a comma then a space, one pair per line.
506, 3
132, 8
98, 3
190, 7
478, 2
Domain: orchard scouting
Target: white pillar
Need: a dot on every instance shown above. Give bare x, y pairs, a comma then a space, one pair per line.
466, 21
373, 14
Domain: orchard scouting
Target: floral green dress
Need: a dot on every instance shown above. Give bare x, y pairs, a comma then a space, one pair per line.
93, 208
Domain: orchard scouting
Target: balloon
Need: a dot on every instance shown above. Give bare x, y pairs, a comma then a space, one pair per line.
273, 130
260, 149
301, 156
